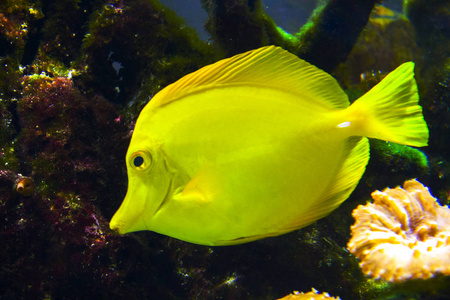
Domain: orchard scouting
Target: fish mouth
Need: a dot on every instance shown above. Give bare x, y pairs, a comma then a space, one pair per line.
116, 225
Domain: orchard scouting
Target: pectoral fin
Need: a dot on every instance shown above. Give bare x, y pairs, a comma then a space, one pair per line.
201, 189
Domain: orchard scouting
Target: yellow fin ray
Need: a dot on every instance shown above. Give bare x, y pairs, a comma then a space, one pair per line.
351, 171
267, 66
200, 189
390, 110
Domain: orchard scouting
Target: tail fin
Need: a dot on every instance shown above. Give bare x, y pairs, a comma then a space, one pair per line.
390, 110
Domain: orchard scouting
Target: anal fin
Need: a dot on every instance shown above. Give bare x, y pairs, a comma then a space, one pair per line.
346, 179
348, 176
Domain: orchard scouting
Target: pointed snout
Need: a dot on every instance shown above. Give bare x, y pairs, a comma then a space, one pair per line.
130, 216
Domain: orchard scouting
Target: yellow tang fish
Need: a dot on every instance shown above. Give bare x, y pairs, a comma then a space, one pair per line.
257, 145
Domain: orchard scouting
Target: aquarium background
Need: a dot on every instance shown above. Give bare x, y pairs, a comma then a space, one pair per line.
74, 75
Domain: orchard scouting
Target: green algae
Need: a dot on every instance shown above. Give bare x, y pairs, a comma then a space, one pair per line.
8, 157
400, 158
126, 45
387, 42
325, 41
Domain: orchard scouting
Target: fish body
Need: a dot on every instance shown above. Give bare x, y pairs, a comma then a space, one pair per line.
257, 145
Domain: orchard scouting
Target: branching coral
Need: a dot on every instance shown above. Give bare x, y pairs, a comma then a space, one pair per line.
403, 234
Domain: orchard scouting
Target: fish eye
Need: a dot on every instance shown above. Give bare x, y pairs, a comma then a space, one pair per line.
140, 160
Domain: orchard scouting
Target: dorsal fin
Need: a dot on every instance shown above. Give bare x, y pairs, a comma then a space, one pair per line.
267, 67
